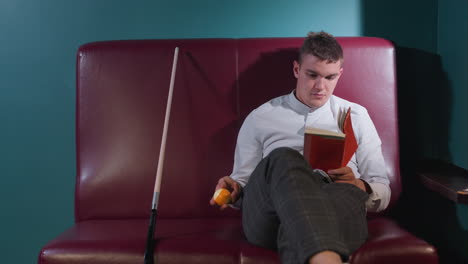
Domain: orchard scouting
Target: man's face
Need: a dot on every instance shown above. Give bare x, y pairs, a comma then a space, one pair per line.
316, 80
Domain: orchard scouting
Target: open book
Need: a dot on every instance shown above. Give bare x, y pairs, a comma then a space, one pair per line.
325, 149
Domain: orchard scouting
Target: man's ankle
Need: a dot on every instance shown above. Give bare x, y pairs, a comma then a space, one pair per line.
325, 257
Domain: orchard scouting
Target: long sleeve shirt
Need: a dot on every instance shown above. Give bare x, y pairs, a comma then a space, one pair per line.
281, 122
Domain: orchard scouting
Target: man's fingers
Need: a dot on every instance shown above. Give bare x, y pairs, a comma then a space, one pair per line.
335, 171
222, 183
343, 181
235, 190
229, 184
343, 176
212, 202
340, 171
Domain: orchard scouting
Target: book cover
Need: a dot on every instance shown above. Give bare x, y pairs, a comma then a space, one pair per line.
326, 150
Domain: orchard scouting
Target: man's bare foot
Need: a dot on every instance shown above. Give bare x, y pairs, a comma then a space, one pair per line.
325, 257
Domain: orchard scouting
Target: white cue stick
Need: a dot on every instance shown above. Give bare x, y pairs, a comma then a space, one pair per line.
149, 251
157, 185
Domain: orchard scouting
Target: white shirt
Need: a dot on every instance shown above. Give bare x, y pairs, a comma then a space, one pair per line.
281, 123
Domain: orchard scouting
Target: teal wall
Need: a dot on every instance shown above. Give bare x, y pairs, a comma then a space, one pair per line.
432, 58
452, 46
37, 86
410, 24
39, 40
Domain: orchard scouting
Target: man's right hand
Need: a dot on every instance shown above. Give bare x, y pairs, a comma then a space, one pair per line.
231, 185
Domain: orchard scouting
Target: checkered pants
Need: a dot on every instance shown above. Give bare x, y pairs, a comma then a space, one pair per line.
288, 207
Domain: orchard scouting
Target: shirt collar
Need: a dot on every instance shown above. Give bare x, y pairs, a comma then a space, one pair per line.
300, 107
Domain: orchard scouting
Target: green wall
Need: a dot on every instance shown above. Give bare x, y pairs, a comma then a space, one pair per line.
410, 24
431, 38
452, 46
38, 43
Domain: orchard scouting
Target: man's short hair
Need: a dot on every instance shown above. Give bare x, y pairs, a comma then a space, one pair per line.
323, 46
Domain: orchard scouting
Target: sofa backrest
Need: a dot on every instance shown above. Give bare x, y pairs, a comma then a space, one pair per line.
122, 89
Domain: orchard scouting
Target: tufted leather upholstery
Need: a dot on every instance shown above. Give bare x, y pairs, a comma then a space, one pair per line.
121, 97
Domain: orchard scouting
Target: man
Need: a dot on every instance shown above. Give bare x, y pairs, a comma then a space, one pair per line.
286, 204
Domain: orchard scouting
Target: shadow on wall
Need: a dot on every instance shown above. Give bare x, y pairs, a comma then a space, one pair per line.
425, 97
424, 93
408, 23
265, 81
424, 100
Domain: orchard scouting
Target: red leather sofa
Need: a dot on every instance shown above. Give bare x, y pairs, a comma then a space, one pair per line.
122, 88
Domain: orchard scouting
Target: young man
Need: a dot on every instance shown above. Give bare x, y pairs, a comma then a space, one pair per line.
288, 206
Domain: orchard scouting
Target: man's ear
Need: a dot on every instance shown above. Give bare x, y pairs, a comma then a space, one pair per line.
341, 72
296, 68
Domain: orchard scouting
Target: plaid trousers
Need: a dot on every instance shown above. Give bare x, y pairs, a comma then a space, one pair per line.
288, 207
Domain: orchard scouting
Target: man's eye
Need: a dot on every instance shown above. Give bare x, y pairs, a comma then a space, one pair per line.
330, 78
313, 76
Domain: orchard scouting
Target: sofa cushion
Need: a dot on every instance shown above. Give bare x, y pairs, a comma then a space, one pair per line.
210, 240
202, 240
388, 243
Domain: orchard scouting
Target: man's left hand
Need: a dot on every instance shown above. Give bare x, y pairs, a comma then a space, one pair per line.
346, 175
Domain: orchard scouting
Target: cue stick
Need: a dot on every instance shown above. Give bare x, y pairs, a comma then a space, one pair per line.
149, 251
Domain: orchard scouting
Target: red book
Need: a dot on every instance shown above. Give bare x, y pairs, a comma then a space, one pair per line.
327, 150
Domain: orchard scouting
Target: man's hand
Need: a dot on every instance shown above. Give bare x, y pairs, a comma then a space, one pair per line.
346, 175
231, 185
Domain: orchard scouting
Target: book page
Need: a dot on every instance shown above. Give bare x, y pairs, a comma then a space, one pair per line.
323, 132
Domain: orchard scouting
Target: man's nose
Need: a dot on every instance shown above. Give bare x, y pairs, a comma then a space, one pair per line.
319, 83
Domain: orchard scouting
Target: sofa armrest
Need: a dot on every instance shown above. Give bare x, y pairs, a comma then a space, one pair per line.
444, 178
